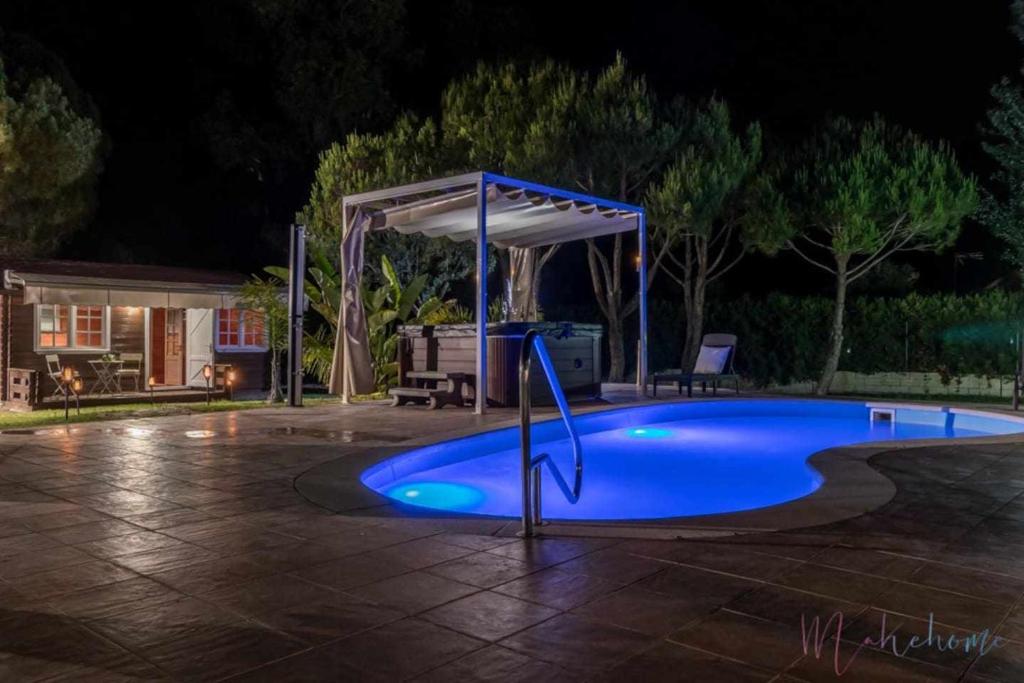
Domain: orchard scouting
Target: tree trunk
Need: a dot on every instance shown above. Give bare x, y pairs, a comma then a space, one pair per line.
835, 349
695, 285
694, 328
523, 277
523, 303
616, 350
616, 318
275, 394
606, 279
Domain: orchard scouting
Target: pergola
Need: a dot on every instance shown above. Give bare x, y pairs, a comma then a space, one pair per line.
481, 206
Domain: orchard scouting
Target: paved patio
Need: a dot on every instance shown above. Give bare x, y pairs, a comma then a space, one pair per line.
177, 548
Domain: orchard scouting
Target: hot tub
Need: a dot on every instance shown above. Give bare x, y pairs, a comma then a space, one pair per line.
575, 350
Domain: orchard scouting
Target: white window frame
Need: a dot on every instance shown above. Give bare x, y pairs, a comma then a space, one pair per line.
235, 348
72, 347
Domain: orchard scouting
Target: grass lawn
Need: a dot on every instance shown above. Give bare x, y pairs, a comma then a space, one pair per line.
40, 418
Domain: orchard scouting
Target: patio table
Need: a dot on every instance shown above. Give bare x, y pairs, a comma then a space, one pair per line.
106, 376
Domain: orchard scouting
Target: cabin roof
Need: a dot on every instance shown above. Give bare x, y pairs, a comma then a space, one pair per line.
120, 284
121, 271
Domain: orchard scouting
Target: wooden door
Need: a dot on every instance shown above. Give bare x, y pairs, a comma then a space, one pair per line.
157, 338
199, 344
174, 351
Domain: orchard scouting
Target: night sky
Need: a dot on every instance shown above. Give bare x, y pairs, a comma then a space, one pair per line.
155, 70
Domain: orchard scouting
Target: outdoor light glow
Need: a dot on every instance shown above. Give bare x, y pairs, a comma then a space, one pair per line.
649, 433
438, 494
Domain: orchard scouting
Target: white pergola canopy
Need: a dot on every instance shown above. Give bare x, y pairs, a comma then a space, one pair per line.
515, 218
484, 207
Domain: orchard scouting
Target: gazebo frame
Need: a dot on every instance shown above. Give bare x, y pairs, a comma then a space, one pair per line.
481, 181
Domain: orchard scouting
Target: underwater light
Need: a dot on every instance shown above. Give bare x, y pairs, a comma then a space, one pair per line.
649, 433
438, 495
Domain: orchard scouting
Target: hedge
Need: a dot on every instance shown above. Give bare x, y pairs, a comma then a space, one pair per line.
784, 338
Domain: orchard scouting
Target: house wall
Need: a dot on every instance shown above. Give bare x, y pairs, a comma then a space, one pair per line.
252, 368
127, 335
5, 345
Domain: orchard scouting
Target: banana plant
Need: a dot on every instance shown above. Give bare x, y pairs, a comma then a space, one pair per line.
322, 283
322, 286
388, 306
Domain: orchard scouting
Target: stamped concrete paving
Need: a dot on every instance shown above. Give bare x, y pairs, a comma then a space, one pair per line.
177, 548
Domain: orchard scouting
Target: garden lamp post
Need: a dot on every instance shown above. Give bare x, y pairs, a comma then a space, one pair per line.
76, 386
151, 383
230, 380
67, 385
207, 374
296, 304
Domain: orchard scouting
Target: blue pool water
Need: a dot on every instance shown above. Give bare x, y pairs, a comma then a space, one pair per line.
667, 460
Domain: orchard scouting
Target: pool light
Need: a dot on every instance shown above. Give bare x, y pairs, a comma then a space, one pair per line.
438, 495
649, 433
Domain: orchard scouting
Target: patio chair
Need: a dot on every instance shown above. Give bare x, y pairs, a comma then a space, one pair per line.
714, 365
131, 368
53, 370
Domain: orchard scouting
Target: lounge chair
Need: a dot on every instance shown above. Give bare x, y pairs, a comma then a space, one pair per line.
714, 365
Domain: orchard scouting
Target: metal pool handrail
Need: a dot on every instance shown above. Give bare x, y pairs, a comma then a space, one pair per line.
532, 341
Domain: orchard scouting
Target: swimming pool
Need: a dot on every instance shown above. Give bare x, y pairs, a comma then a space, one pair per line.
665, 460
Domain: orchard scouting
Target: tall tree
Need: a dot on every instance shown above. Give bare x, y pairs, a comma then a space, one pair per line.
607, 134
49, 163
622, 138
697, 207
1002, 208
856, 194
517, 121
406, 152
410, 150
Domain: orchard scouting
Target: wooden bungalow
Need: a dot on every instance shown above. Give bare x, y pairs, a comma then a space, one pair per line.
178, 319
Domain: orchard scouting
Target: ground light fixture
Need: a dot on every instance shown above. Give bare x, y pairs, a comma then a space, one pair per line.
70, 384
230, 377
151, 383
207, 375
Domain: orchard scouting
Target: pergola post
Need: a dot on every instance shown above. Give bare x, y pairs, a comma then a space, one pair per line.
346, 371
481, 295
641, 232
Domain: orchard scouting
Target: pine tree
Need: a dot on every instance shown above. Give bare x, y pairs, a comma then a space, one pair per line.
1002, 208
